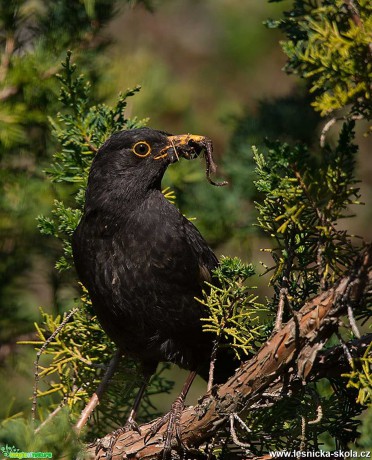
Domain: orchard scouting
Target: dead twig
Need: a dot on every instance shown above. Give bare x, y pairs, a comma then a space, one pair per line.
97, 395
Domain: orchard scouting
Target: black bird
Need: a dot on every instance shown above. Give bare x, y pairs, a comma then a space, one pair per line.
141, 260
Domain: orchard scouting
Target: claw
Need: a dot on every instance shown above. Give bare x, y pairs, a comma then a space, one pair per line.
172, 418
132, 425
107, 443
156, 427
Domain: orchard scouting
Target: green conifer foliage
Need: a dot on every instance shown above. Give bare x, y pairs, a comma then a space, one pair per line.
329, 44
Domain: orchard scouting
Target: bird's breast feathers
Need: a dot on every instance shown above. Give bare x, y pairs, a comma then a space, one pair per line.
152, 245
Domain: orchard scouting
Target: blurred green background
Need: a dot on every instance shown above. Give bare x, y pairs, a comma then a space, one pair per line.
206, 67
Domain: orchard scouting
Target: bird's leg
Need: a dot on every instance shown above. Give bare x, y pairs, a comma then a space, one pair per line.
172, 418
130, 424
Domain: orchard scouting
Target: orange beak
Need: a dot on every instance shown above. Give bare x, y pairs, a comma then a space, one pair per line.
190, 146
187, 146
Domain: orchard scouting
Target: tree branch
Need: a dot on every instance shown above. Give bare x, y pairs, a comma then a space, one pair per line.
97, 396
8, 92
6, 56
290, 354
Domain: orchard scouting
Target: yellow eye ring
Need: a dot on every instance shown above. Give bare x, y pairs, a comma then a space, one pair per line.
142, 149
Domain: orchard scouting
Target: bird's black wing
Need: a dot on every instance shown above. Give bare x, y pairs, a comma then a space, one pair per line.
143, 276
207, 260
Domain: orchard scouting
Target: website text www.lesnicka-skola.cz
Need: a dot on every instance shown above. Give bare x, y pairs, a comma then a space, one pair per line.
341, 454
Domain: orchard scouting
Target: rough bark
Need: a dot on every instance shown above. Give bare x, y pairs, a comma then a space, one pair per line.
288, 359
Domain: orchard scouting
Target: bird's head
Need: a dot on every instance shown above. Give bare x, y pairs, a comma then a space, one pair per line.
134, 161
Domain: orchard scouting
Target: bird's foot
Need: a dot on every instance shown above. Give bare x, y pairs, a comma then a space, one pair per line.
172, 418
108, 442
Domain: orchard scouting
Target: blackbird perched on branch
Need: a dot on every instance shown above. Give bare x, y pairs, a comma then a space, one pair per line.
143, 262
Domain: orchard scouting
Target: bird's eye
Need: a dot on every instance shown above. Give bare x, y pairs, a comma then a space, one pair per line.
141, 149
